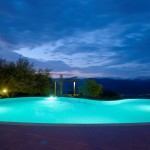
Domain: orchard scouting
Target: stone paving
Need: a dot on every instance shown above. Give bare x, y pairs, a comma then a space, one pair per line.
74, 137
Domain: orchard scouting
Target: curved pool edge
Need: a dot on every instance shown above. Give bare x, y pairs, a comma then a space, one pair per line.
48, 110
72, 125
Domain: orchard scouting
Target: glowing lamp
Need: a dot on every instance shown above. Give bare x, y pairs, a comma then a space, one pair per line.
4, 90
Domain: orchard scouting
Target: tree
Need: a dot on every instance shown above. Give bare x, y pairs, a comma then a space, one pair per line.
91, 89
44, 82
21, 78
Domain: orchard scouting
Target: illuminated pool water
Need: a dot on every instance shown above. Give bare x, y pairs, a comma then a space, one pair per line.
74, 111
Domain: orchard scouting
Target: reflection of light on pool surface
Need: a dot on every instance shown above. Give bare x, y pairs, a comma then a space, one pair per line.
3, 109
144, 108
51, 98
56, 110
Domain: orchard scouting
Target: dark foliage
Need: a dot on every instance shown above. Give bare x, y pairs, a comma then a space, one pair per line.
110, 95
90, 89
21, 79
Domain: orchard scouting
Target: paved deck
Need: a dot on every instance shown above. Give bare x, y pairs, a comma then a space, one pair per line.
74, 137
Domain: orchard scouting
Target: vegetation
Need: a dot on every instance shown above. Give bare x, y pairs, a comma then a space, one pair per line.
91, 89
21, 79
110, 95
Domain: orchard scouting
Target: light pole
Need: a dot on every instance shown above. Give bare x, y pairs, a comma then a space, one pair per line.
61, 84
74, 88
55, 89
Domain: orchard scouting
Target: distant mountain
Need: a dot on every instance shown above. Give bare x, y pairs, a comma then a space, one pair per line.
129, 88
143, 77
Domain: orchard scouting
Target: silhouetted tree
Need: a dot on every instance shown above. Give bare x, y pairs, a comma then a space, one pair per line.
21, 78
91, 89
44, 84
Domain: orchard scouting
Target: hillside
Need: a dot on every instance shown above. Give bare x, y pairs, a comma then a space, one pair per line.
139, 88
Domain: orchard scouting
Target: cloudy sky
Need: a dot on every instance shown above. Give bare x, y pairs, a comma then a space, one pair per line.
84, 38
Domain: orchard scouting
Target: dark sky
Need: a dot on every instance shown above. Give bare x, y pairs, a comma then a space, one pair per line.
84, 38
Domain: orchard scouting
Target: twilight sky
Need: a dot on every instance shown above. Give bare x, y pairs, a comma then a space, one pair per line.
84, 38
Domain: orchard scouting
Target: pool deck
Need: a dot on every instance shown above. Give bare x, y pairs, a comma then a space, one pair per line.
74, 137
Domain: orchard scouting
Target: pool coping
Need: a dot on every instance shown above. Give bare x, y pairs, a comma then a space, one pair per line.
65, 124
16, 136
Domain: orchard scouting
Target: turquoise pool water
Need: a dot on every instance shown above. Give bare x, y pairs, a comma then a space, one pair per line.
74, 111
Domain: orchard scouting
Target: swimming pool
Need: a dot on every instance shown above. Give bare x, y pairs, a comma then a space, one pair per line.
53, 110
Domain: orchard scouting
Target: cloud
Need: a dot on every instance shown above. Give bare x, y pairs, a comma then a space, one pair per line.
130, 8
77, 73
88, 37
130, 65
75, 60
75, 50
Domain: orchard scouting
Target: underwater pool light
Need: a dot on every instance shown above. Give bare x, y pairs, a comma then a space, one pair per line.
51, 98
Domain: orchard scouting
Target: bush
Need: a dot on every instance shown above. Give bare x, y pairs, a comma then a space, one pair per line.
90, 89
110, 95
21, 78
